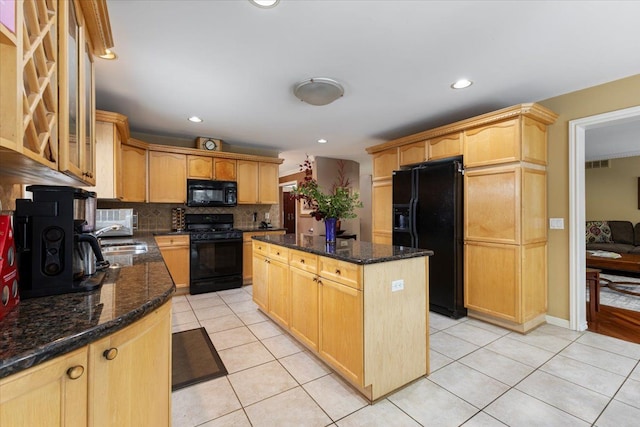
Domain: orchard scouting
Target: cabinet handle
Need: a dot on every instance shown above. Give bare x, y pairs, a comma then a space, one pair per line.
315, 279
278, 253
337, 271
75, 372
301, 261
110, 353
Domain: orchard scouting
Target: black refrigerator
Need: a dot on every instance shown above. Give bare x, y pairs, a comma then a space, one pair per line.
428, 214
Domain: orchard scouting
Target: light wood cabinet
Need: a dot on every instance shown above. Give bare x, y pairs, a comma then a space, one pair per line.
247, 182
445, 146
518, 139
268, 189
384, 163
199, 167
382, 211
348, 315
133, 386
133, 173
505, 208
108, 142
279, 291
305, 299
513, 291
76, 112
53, 393
257, 182
247, 252
271, 281
175, 253
48, 91
224, 169
121, 172
341, 328
202, 167
413, 153
121, 379
501, 233
260, 287
506, 225
167, 177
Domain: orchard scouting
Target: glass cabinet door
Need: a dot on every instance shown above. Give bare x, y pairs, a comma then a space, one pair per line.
88, 132
77, 104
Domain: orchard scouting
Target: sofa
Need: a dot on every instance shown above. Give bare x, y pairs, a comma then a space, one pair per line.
613, 236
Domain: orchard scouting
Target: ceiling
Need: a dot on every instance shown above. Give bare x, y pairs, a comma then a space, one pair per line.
235, 65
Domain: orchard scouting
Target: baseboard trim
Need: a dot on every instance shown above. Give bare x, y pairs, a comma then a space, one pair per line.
523, 328
557, 321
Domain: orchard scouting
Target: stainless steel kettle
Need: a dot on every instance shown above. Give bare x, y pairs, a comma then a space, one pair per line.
87, 256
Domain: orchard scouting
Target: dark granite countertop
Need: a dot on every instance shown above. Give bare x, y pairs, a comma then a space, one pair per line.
346, 250
250, 229
40, 329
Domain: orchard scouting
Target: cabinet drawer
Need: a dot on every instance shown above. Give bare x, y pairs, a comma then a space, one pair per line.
181, 240
261, 248
279, 253
342, 272
303, 260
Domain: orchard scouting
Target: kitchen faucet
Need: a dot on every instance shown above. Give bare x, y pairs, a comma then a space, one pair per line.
112, 227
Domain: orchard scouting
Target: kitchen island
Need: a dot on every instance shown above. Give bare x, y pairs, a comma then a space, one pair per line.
360, 307
87, 358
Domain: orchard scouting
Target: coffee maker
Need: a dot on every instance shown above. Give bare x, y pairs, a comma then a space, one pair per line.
57, 253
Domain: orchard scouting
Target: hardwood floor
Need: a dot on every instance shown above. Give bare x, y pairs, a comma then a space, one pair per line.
617, 322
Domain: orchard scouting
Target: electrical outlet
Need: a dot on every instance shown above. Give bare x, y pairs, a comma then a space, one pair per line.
397, 285
266, 216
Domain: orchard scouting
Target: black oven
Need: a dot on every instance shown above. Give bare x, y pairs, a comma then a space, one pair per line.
215, 260
207, 193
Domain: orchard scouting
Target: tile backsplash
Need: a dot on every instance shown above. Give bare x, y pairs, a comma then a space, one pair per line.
157, 216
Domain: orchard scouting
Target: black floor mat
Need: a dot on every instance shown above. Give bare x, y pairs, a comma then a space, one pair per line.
194, 359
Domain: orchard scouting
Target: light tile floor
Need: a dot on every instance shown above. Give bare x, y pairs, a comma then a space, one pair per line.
481, 375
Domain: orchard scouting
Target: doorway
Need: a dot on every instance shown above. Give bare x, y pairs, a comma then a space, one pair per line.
577, 145
288, 204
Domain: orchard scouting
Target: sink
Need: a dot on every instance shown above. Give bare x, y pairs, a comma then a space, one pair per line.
125, 249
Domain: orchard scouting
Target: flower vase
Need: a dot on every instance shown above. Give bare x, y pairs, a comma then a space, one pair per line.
330, 229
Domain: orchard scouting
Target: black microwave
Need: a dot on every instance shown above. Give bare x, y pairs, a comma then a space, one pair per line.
202, 192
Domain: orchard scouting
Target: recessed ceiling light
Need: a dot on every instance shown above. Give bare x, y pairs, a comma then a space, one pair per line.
195, 119
109, 54
322, 141
461, 84
265, 4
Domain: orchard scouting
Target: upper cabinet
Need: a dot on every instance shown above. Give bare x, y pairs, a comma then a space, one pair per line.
167, 177
48, 90
257, 182
224, 169
203, 167
384, 163
268, 183
122, 160
413, 153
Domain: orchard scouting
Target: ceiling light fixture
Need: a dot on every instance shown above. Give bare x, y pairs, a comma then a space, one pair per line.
461, 84
322, 141
318, 91
109, 54
265, 4
195, 119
